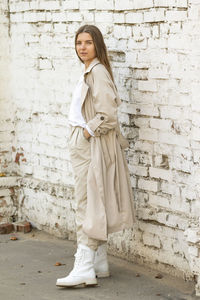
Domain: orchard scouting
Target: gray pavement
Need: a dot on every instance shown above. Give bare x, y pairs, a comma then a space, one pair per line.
28, 271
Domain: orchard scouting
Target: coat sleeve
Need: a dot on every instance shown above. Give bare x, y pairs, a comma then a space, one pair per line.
104, 100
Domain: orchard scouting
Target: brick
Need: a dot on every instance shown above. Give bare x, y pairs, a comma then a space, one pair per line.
196, 133
141, 122
88, 16
138, 170
87, 4
118, 18
142, 44
45, 64
60, 16
123, 5
164, 3
148, 185
51, 5
151, 240
134, 18
61, 28
160, 173
122, 31
24, 227
156, 200
137, 4
171, 112
178, 42
182, 3
160, 124
4, 192
193, 251
148, 134
146, 110
8, 181
74, 16
104, 4
144, 146
159, 73
173, 139
70, 4
175, 16
6, 228
18, 17
157, 16
147, 85
103, 17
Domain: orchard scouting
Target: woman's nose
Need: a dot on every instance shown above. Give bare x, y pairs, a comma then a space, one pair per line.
82, 46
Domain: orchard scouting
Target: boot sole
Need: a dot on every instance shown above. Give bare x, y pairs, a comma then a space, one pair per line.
103, 275
84, 284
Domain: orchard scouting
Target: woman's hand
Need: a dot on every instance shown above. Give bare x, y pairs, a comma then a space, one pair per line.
86, 134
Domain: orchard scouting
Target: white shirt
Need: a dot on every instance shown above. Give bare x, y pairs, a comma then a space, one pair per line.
75, 115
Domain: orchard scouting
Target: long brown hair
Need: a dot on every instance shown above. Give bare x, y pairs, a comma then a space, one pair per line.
99, 44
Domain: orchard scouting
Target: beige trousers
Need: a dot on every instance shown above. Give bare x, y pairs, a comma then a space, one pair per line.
80, 154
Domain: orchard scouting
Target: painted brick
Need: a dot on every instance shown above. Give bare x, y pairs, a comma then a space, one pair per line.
148, 185
164, 3
70, 4
160, 124
74, 16
196, 133
151, 240
52, 5
148, 134
87, 4
139, 170
157, 16
88, 16
119, 18
147, 85
176, 16
143, 4
133, 18
122, 32
60, 17
182, 3
120, 5
103, 17
172, 112
104, 4
159, 201
160, 173
174, 139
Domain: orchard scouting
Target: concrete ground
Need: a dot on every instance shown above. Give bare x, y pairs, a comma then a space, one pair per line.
28, 271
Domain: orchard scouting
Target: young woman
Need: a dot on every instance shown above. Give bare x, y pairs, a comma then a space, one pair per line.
103, 193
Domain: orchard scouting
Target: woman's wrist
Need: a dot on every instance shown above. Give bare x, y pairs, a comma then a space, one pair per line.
86, 133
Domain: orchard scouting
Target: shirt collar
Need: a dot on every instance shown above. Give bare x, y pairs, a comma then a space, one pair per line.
94, 62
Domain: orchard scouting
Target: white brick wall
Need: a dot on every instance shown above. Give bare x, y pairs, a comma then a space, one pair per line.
154, 47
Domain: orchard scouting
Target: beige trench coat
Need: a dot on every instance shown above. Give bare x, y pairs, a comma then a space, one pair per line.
109, 194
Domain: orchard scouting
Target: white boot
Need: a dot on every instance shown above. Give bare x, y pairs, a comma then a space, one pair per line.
83, 271
101, 263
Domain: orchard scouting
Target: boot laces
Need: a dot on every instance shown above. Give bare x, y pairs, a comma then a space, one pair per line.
78, 258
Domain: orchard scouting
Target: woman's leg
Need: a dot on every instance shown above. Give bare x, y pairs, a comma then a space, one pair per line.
80, 158
83, 271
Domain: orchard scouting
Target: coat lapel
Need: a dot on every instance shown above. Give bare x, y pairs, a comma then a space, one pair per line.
85, 87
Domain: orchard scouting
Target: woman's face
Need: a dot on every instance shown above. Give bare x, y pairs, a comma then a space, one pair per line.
85, 48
